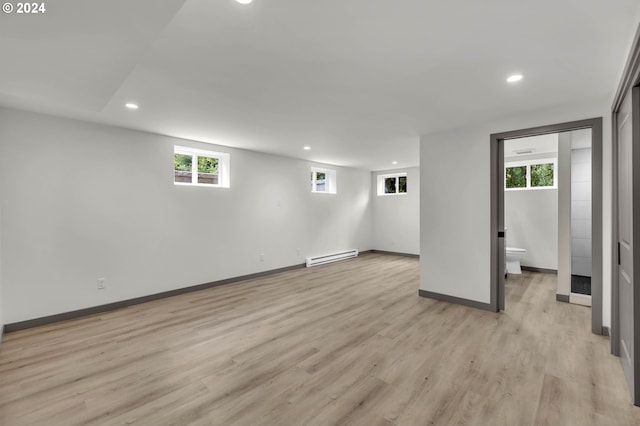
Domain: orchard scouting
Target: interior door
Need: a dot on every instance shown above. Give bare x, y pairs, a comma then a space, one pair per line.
625, 241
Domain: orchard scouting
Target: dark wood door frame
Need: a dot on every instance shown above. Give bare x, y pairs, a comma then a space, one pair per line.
497, 210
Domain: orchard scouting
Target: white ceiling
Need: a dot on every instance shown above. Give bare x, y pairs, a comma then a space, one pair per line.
358, 80
542, 144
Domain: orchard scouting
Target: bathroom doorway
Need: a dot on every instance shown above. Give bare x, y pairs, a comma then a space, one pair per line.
547, 210
531, 204
564, 264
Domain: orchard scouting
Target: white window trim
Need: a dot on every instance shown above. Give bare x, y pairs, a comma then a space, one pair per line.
224, 161
380, 184
528, 164
330, 180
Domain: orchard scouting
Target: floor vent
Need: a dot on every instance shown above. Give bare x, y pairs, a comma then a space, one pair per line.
319, 260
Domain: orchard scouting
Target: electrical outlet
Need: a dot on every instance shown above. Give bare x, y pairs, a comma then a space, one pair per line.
261, 257
101, 283
298, 250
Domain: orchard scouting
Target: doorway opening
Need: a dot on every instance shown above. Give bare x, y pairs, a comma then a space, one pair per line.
547, 210
594, 230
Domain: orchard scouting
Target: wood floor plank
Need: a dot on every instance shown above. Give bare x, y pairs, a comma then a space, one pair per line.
344, 343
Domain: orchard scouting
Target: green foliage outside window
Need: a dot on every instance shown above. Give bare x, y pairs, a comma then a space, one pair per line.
516, 177
395, 185
208, 165
402, 184
390, 185
542, 174
182, 163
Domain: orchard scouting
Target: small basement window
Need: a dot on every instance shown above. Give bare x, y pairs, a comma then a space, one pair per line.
392, 184
531, 174
323, 180
199, 167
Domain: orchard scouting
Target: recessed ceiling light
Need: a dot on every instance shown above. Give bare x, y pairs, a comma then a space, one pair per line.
306, 148
394, 162
244, 1
131, 105
514, 78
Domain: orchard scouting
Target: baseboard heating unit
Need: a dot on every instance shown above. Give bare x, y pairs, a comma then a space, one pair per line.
333, 257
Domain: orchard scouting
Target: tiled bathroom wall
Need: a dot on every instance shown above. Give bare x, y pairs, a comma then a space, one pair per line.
581, 212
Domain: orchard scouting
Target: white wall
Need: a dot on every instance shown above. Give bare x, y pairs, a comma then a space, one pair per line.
564, 214
83, 201
455, 206
531, 219
454, 214
396, 218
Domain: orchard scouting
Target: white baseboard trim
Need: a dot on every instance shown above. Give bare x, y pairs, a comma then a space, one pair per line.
580, 299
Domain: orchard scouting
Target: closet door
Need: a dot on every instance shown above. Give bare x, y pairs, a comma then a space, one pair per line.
627, 123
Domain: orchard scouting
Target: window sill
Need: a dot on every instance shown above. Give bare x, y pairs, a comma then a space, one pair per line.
538, 188
204, 185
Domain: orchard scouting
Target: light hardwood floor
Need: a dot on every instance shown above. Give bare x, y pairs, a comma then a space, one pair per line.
345, 343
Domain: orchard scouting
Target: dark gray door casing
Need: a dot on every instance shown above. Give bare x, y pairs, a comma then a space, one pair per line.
497, 210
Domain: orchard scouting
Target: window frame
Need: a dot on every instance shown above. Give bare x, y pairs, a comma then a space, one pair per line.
223, 166
381, 183
528, 164
329, 178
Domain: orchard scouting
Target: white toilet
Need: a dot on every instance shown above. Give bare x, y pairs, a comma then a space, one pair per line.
513, 257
